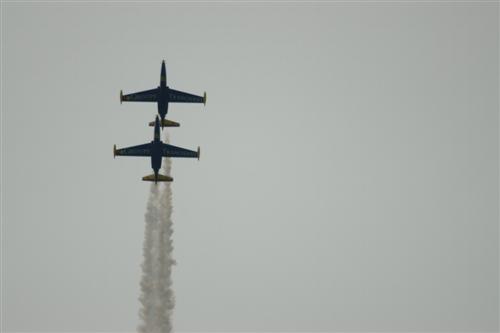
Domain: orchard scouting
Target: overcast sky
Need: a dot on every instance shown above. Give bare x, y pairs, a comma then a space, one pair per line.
348, 178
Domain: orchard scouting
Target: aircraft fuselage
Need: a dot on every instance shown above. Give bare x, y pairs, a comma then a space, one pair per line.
163, 93
162, 101
156, 149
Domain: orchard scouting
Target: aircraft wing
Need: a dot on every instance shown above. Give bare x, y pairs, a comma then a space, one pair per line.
141, 96
173, 151
140, 150
176, 96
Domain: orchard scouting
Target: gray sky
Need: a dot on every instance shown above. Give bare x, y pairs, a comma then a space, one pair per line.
348, 178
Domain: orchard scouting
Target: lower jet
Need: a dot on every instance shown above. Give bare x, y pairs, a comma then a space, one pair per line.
163, 95
156, 149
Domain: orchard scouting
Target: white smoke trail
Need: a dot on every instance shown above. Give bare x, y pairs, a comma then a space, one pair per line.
157, 297
148, 283
166, 261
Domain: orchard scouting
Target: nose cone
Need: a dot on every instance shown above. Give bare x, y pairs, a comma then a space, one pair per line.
157, 122
163, 76
157, 129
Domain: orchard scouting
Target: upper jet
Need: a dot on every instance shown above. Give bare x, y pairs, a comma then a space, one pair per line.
162, 96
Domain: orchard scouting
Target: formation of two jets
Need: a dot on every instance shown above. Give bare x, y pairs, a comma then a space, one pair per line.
156, 149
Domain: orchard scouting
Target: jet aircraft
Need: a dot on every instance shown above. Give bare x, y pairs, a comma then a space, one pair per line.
156, 149
163, 95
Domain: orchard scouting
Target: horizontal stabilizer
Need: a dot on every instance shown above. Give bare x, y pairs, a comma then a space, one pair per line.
161, 178
166, 123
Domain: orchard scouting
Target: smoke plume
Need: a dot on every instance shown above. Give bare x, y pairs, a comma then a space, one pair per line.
157, 297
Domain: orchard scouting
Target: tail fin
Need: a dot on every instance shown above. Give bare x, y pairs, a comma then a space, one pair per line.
161, 178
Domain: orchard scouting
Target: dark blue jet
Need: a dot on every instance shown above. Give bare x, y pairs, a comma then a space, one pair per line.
156, 149
163, 95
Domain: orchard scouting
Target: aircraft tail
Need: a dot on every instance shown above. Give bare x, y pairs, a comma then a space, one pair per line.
166, 123
161, 178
